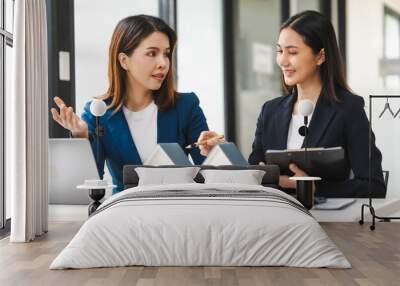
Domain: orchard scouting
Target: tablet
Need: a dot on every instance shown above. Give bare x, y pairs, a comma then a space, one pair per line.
327, 163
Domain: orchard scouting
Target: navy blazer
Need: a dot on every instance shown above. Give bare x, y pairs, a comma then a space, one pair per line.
333, 124
181, 124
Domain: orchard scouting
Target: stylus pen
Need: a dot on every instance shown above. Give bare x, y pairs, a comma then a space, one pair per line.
203, 142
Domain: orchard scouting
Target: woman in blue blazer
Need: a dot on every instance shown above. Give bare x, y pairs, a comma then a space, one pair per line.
143, 106
308, 55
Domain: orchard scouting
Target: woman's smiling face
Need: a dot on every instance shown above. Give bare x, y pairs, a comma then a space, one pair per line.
296, 59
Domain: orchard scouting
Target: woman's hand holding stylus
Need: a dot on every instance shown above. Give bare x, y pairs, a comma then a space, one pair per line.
211, 139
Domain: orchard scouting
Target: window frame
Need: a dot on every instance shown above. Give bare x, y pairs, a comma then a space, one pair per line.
389, 66
6, 39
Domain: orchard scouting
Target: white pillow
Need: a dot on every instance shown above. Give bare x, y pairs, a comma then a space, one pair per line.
163, 176
248, 177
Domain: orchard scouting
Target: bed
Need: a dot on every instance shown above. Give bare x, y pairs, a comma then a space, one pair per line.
201, 224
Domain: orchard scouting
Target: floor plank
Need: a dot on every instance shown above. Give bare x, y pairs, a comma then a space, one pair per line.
374, 255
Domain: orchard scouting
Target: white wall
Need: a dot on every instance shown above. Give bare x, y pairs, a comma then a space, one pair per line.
200, 56
95, 21
364, 50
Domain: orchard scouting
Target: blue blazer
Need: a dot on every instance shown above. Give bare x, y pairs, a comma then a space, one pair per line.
181, 124
333, 124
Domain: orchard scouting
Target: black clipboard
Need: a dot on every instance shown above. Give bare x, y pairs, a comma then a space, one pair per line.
327, 163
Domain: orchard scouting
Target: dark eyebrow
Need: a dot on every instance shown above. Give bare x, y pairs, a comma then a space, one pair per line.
287, 47
156, 48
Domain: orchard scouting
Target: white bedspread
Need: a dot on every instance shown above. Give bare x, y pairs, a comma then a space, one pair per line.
180, 231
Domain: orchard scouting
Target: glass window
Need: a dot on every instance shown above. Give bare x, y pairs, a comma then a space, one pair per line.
297, 6
7, 96
391, 50
1, 14
392, 82
5, 90
2, 109
392, 37
303, 5
258, 76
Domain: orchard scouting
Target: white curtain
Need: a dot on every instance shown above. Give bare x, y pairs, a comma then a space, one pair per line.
28, 123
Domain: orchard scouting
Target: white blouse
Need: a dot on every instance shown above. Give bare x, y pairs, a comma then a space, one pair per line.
294, 139
143, 127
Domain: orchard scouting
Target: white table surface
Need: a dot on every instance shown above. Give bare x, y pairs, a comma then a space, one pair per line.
92, 187
352, 213
308, 178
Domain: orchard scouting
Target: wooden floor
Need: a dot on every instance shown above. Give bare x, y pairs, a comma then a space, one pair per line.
374, 255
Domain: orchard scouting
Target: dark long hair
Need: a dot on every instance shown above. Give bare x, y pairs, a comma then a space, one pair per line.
127, 36
318, 33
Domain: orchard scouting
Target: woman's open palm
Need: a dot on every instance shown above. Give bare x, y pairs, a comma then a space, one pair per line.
69, 120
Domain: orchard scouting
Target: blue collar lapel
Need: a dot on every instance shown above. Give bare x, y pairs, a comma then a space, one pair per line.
282, 121
323, 114
167, 126
126, 146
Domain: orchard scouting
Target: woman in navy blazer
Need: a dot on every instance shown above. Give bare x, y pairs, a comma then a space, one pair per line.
308, 55
333, 124
140, 74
